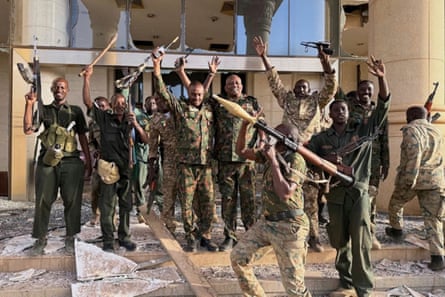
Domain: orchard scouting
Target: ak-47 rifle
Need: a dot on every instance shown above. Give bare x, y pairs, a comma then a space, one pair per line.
429, 104
128, 80
33, 78
341, 172
325, 45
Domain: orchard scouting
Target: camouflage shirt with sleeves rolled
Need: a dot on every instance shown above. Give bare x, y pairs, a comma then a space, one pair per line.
304, 113
422, 157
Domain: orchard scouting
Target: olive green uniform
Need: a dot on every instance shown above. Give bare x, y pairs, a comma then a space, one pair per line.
67, 176
349, 227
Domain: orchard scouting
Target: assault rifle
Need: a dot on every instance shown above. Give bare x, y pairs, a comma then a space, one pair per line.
343, 173
429, 104
33, 78
128, 80
325, 46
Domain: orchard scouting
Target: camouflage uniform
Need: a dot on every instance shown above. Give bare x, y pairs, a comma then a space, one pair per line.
380, 153
287, 236
163, 132
195, 135
349, 227
305, 114
421, 173
235, 174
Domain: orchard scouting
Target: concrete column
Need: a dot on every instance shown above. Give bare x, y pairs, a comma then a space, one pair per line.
408, 35
48, 20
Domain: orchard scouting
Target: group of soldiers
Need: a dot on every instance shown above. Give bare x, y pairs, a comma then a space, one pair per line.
181, 139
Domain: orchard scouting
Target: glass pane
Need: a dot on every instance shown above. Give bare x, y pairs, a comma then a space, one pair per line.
283, 23
209, 25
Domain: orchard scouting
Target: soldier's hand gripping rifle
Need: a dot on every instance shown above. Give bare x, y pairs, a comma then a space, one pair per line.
309, 156
429, 104
128, 80
33, 78
325, 46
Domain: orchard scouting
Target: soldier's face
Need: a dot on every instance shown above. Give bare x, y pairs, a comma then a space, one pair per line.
119, 105
233, 86
196, 95
365, 92
59, 90
339, 112
301, 89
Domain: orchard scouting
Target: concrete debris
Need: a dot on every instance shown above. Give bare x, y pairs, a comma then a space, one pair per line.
403, 291
26, 275
134, 284
93, 263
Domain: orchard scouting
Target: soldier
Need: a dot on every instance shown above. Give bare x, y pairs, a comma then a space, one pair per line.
115, 127
163, 142
361, 108
195, 135
421, 173
284, 225
59, 166
144, 116
349, 227
94, 145
302, 110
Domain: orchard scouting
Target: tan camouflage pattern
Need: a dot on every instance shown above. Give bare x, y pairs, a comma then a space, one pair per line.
432, 205
305, 113
286, 237
421, 173
310, 191
162, 130
422, 157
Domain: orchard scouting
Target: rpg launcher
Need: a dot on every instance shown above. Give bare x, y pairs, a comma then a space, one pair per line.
325, 46
429, 103
33, 78
330, 168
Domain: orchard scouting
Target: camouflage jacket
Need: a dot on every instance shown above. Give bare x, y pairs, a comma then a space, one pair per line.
421, 157
302, 113
141, 148
195, 127
380, 146
162, 134
272, 203
227, 128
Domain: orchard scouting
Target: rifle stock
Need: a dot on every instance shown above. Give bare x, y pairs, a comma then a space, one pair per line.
340, 172
429, 102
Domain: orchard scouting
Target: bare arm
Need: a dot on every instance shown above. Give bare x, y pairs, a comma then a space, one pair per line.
261, 49
180, 70
88, 71
213, 68
30, 98
141, 131
377, 68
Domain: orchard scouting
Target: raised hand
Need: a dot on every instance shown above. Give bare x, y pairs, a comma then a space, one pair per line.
214, 63
260, 46
376, 67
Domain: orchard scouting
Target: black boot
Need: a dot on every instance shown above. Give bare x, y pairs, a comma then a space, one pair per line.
437, 263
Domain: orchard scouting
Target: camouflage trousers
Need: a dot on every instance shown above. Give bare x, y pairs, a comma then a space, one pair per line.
311, 191
196, 194
234, 178
288, 240
432, 205
170, 191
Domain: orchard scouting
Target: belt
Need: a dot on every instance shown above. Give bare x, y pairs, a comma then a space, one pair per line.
282, 215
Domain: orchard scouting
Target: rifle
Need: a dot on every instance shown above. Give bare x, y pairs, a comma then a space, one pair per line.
152, 177
36, 86
183, 59
101, 54
429, 103
325, 45
128, 80
343, 173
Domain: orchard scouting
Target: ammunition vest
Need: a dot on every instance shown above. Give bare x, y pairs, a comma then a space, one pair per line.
56, 134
